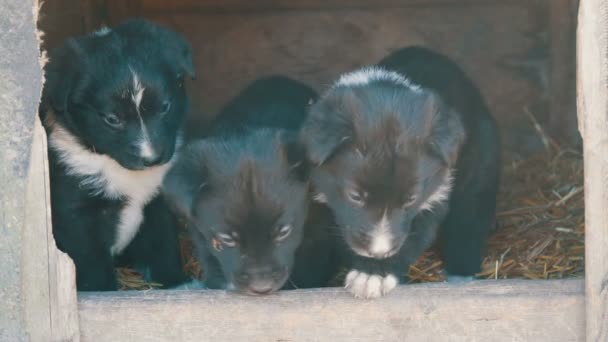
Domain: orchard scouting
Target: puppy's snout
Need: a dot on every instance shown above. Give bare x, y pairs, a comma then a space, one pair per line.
260, 281
374, 244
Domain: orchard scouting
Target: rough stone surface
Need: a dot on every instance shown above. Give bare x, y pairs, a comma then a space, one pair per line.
20, 87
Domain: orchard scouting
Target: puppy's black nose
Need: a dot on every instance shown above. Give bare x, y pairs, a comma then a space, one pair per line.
151, 161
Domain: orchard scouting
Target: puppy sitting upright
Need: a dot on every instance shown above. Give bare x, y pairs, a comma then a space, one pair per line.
113, 106
402, 149
245, 190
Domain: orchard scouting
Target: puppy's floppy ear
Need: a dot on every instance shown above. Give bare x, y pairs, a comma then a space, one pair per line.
328, 127
62, 75
294, 153
186, 180
447, 133
180, 55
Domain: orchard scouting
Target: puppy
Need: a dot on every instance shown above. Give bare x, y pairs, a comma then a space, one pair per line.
402, 149
113, 106
245, 190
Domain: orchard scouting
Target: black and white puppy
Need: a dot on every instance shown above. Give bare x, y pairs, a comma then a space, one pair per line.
113, 106
402, 149
245, 189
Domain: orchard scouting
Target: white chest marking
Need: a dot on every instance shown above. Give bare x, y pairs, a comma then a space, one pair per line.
106, 177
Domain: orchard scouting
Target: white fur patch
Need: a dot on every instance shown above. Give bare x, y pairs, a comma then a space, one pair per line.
381, 238
108, 178
138, 91
145, 145
441, 194
368, 75
369, 286
102, 31
320, 197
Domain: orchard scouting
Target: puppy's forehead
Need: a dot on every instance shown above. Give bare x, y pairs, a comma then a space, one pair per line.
386, 111
386, 172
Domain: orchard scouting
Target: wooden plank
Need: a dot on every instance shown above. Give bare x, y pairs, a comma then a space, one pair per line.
481, 311
48, 277
20, 86
592, 74
190, 6
562, 106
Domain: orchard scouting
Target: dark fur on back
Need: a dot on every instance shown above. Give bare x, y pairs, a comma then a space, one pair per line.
402, 149
113, 106
246, 191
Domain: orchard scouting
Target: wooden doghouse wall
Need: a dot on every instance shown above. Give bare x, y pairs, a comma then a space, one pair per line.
519, 52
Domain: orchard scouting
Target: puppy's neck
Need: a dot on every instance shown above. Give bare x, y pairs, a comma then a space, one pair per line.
102, 174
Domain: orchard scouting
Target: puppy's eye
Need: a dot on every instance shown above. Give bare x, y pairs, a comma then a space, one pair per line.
410, 201
226, 240
356, 197
113, 120
165, 107
283, 232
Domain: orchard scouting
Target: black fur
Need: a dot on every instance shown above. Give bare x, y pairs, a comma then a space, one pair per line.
247, 180
88, 98
384, 147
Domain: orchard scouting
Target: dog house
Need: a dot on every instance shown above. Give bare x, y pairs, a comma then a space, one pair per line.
526, 56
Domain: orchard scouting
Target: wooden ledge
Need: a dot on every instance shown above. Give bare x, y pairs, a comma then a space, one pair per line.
514, 310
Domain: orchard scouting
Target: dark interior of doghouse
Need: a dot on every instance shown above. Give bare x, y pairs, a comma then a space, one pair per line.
520, 53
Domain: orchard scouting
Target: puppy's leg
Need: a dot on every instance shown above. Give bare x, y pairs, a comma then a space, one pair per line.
372, 278
464, 233
94, 270
155, 249
472, 213
81, 234
94, 264
213, 277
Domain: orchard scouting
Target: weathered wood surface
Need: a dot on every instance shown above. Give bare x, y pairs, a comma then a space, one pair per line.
562, 44
482, 311
20, 86
240, 5
592, 88
48, 280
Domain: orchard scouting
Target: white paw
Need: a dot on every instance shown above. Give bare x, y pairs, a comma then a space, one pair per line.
363, 285
456, 279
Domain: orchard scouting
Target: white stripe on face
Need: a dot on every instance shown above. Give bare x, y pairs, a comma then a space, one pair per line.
381, 237
145, 146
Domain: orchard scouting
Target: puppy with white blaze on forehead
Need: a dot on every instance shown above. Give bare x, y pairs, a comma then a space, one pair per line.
113, 106
405, 151
245, 190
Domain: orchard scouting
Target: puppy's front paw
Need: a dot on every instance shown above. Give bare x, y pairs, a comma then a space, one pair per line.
363, 285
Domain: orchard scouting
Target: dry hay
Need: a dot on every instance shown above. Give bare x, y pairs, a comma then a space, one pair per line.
541, 227
540, 231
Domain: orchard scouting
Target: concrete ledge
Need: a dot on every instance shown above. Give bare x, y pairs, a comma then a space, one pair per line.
481, 311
